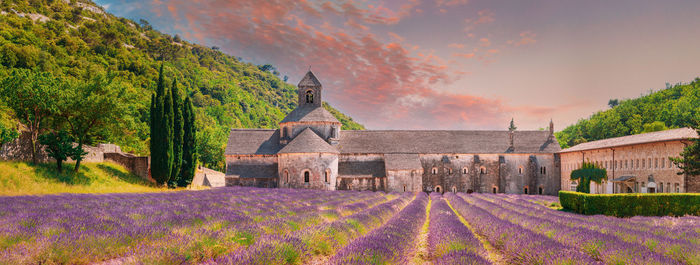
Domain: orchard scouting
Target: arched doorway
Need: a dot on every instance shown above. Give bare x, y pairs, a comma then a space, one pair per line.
438, 189
454, 189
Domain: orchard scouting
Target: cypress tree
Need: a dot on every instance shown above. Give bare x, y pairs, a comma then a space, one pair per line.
160, 169
169, 132
177, 134
189, 149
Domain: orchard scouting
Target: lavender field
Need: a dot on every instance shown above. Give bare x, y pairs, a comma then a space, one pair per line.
282, 226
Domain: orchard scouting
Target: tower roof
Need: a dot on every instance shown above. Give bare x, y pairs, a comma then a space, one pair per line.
308, 142
309, 113
309, 80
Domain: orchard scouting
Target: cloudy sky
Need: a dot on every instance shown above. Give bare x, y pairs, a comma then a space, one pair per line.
451, 64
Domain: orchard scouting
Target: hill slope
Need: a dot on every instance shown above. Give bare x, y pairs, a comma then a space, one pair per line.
19, 178
674, 107
77, 39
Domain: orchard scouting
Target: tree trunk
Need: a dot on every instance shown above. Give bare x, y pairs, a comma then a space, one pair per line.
79, 158
34, 134
59, 165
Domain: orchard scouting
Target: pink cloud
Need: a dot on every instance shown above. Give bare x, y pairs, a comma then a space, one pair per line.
456, 45
382, 83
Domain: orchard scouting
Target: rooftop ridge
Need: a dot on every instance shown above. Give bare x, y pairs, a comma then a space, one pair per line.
650, 137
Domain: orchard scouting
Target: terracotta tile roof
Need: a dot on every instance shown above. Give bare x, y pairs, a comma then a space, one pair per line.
309, 113
660, 136
308, 142
402, 162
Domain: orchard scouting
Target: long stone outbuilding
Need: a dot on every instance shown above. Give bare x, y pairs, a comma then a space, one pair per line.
310, 151
635, 163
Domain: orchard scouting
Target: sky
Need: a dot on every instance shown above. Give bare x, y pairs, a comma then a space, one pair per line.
451, 64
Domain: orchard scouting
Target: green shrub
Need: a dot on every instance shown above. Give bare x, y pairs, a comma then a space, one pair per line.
632, 204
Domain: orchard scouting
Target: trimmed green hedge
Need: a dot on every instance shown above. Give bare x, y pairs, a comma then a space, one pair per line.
631, 204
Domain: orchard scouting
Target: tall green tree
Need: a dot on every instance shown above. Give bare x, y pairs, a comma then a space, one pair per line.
33, 97
689, 161
93, 106
178, 133
189, 148
161, 136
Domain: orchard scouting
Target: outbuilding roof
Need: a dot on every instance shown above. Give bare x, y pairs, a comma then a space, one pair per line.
308, 142
310, 113
402, 162
660, 136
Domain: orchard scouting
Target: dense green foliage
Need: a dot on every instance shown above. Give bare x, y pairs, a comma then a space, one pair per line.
587, 173
59, 146
674, 107
33, 98
631, 204
689, 161
76, 43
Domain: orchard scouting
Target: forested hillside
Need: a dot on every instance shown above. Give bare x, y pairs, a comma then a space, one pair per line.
76, 40
673, 107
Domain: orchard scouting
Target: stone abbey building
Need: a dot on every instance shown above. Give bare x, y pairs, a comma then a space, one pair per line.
309, 150
635, 163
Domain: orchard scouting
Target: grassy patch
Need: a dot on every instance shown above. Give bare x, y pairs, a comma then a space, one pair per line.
21, 178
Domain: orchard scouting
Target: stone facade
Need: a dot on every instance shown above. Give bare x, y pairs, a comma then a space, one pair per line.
637, 163
311, 151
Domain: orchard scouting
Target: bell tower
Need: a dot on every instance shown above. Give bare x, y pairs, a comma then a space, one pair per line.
309, 91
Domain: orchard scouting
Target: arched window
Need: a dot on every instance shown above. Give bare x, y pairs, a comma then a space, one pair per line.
404, 188
661, 187
573, 186
328, 175
449, 170
434, 171
520, 170
438, 189
454, 189
465, 170
482, 170
539, 190
678, 188
284, 132
307, 176
525, 191
663, 162
286, 176
309, 96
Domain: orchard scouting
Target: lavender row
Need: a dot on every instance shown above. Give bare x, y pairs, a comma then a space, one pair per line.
517, 244
683, 228
80, 228
603, 247
389, 243
449, 240
678, 249
276, 233
304, 244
